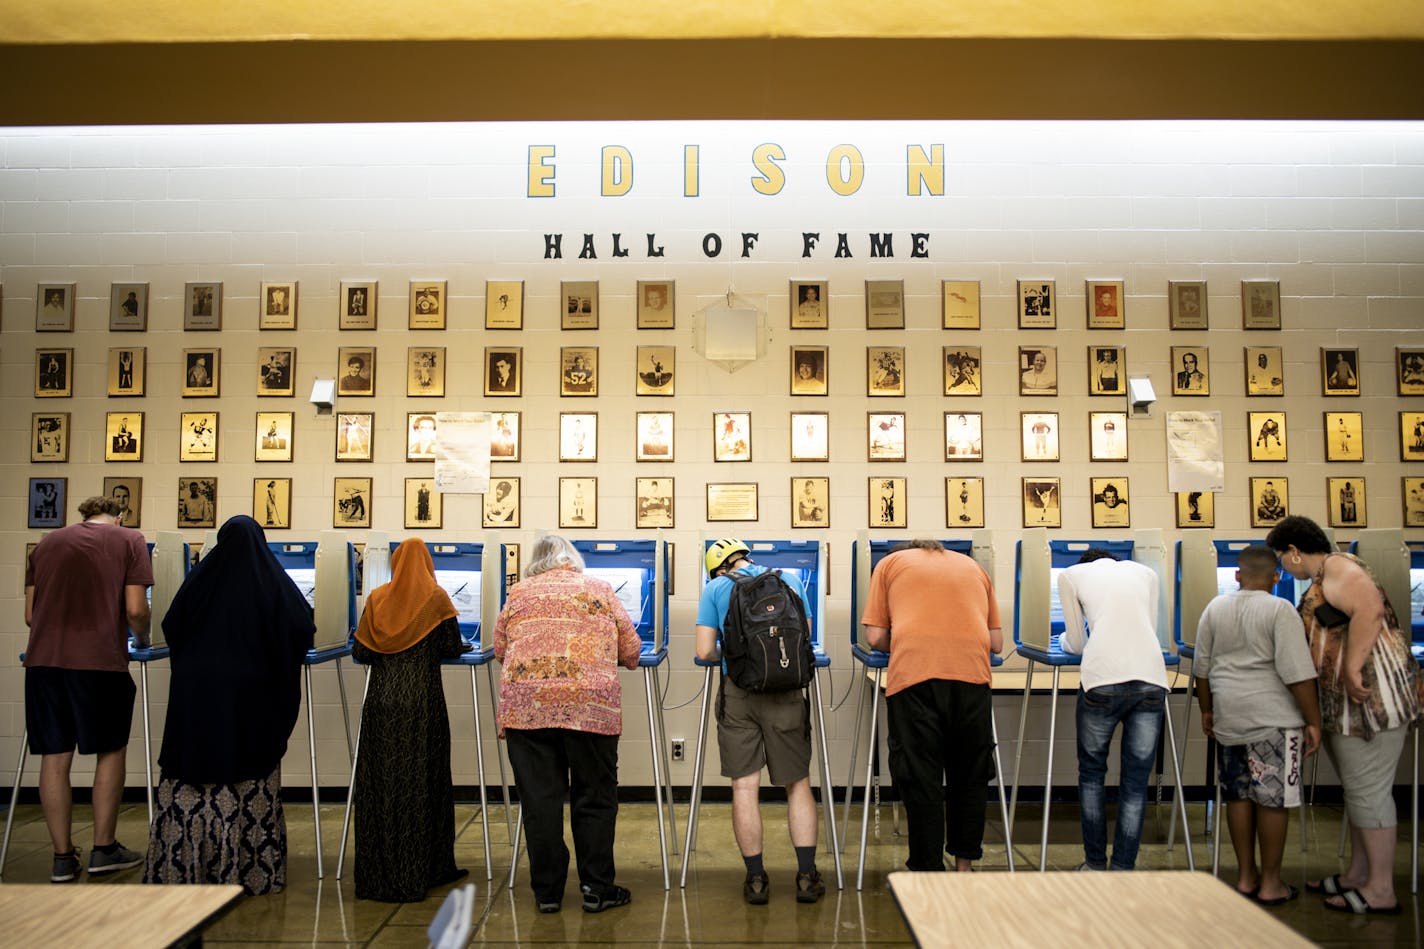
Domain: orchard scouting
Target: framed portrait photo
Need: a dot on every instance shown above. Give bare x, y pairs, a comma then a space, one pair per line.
1186, 304
198, 436
1107, 436
1409, 370
277, 306
128, 307
1189, 371
885, 371
1270, 501
427, 305
580, 309
276, 371
420, 436
1344, 436
656, 370
653, 498
960, 304
123, 436
885, 436
129, 493
578, 436
1042, 502
425, 371
356, 305
351, 499
810, 305
499, 506
1345, 498
1339, 372
889, 502
54, 370
54, 308
810, 368
49, 436
1110, 502
578, 503
1038, 302
810, 502
274, 437
48, 499
197, 502
1411, 436
1038, 370
655, 436
272, 502
423, 508
1261, 304
504, 304
354, 433
732, 501
963, 502
810, 436
884, 304
203, 306
504, 370
656, 301
504, 436
1107, 370
1264, 375
200, 373
731, 436
963, 436
578, 371
1196, 509
1413, 491
1106, 304
963, 368
356, 371
127, 365
1267, 431
1039, 431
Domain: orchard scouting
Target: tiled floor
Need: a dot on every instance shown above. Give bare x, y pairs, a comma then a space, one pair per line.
710, 911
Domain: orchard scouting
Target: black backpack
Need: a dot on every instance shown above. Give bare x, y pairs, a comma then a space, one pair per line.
766, 640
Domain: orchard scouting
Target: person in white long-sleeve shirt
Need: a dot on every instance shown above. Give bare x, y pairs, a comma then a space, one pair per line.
1110, 619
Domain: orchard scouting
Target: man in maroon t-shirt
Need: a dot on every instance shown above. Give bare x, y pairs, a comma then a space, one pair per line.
84, 590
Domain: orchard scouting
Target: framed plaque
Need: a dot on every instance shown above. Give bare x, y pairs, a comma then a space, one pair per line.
54, 370
1269, 501
578, 372
198, 436
1264, 375
1186, 304
126, 370
1038, 302
1339, 371
1039, 436
1038, 370
1345, 499
1267, 431
1107, 436
580, 309
499, 506
885, 371
49, 436
963, 366
128, 491
884, 304
123, 436
504, 370
351, 499
274, 437
963, 436
1106, 304
504, 436
197, 502
963, 502
277, 307
54, 308
354, 431
423, 507
203, 306
276, 371
960, 304
810, 436
885, 436
654, 500
48, 500
1042, 502
655, 436
1190, 368
731, 436
1261, 304
200, 373
810, 305
427, 305
356, 371
1413, 491
1196, 509
889, 500
504, 304
425, 371
810, 502
272, 502
656, 370
656, 304
578, 502
1110, 503
1409, 370
732, 501
128, 307
578, 436
357, 306
1344, 436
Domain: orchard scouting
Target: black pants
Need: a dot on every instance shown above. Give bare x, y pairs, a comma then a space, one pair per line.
942, 759
549, 763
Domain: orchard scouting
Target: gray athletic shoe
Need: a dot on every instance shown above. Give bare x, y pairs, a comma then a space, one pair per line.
66, 867
121, 859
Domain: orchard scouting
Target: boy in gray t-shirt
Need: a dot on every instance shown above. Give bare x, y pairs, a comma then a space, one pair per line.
1256, 687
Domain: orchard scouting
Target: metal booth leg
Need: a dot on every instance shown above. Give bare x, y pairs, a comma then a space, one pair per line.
499, 754
667, 767
1216, 835
1186, 733
147, 743
1181, 802
1048, 778
480, 764
1018, 751
315, 788
872, 752
14, 798
828, 799
999, 770
695, 792
345, 711
514, 857
1414, 822
351, 784
854, 751
653, 740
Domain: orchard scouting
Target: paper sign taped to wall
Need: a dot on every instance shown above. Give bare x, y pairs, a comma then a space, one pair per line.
1195, 461
462, 452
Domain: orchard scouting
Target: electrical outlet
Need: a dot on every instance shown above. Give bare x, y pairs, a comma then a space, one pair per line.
678, 749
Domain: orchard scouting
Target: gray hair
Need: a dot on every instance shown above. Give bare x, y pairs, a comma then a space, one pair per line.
552, 551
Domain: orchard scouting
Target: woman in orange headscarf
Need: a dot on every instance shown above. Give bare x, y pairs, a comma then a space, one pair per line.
405, 805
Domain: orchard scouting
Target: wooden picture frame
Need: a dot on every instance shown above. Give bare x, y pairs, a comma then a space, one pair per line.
356, 306
424, 504
49, 436
885, 371
54, 373
884, 304
1339, 371
810, 436
203, 306
1411, 436
1111, 503
810, 305
578, 503
351, 503
128, 307
578, 436
1412, 501
425, 372
889, 502
54, 307
426, 309
656, 371
1042, 502
355, 434
657, 302
1107, 371
963, 436
1106, 304
274, 432
1186, 304
655, 437
123, 436
1038, 370
963, 370
578, 371
731, 436
1409, 370
1196, 508
1261, 304
1265, 375
963, 502
504, 304
276, 371
810, 370
885, 436
1270, 501
272, 503
500, 505
1263, 429
811, 502
202, 368
654, 502
1345, 502
1344, 436
198, 437
421, 436
505, 440
1107, 436
48, 503
732, 501
1039, 436
1037, 304
504, 371
1191, 370
127, 371
959, 304
197, 502
580, 304
277, 305
128, 491
356, 372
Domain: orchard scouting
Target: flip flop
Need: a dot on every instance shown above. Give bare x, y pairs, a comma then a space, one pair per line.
1330, 886
1291, 893
1355, 903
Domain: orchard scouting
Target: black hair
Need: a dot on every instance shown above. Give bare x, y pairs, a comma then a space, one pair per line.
1097, 553
1301, 533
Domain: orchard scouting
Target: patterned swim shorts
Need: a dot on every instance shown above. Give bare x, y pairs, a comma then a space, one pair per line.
1267, 772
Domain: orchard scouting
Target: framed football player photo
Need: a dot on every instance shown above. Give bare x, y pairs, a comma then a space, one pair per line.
1107, 436
272, 502
885, 371
655, 436
963, 370
274, 437
963, 502
1267, 432
1196, 508
198, 436
1345, 502
578, 371
1270, 501
1344, 436
731, 436
423, 507
810, 502
499, 506
127, 366
1110, 502
654, 502
1039, 436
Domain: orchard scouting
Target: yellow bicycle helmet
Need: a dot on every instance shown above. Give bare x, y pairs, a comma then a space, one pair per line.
719, 551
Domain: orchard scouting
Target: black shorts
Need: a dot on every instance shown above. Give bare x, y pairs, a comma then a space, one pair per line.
84, 707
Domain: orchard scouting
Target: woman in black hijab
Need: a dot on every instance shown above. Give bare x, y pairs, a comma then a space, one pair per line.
238, 629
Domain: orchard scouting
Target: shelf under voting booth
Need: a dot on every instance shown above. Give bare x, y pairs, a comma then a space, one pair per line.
865, 555
807, 560
171, 558
1038, 626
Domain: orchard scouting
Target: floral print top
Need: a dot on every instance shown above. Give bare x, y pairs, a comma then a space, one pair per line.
561, 637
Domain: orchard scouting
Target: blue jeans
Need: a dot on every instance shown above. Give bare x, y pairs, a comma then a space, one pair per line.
1138, 706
